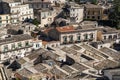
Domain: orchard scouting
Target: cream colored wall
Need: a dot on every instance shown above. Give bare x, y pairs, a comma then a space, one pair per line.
81, 34
16, 45
4, 20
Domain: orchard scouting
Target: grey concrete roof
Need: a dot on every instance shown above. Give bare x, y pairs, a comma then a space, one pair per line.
15, 38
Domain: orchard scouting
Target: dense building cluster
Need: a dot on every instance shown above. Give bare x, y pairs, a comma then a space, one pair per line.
58, 40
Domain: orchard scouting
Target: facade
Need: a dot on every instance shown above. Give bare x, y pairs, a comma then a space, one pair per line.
74, 12
45, 16
37, 44
68, 34
54, 2
20, 12
4, 13
37, 4
15, 46
107, 34
93, 12
5, 19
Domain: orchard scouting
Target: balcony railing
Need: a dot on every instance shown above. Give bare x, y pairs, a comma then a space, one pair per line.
16, 48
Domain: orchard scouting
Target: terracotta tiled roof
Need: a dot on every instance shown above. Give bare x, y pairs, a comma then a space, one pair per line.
65, 29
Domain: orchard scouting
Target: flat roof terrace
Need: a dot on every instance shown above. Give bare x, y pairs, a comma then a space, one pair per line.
69, 50
96, 53
79, 67
67, 68
114, 54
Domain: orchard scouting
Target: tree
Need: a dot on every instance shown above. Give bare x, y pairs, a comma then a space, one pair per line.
115, 14
36, 22
94, 1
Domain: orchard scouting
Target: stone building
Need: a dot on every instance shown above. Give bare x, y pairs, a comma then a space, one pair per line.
93, 12
15, 46
4, 13
68, 34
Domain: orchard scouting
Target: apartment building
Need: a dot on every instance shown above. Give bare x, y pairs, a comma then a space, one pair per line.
68, 34
37, 4
107, 34
93, 12
19, 12
74, 12
4, 13
54, 2
15, 46
45, 16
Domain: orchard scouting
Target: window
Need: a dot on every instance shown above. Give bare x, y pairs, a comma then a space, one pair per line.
98, 17
13, 46
86, 36
110, 37
115, 37
71, 38
19, 44
6, 21
91, 35
88, 17
78, 38
37, 45
6, 48
65, 39
93, 17
26, 43
23, 18
104, 37
6, 17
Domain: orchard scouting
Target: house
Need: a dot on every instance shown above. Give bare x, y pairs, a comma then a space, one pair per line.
37, 4
74, 12
19, 12
15, 46
45, 16
54, 2
4, 14
93, 12
107, 34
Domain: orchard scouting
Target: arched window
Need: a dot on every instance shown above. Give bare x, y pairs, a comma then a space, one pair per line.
115, 37
110, 37
91, 36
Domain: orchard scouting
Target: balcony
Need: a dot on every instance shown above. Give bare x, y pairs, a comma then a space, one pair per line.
16, 49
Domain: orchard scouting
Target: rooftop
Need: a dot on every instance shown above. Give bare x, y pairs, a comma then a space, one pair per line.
96, 53
67, 68
39, 67
114, 54
79, 67
89, 5
65, 29
25, 72
15, 38
105, 64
